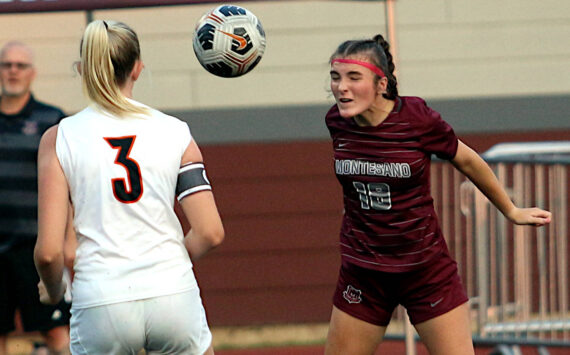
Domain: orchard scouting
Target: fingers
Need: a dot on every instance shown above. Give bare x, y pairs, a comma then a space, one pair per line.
44, 297
533, 216
541, 217
540, 221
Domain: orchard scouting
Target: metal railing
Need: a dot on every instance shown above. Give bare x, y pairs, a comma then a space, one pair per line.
516, 276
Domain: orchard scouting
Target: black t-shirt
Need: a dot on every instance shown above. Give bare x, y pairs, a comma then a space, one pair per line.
19, 139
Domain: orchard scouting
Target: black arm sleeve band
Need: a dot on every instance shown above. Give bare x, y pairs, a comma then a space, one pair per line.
191, 178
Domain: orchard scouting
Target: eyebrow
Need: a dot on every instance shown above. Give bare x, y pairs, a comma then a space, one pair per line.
352, 72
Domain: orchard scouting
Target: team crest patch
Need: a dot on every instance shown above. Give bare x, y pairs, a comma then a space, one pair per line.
352, 295
30, 128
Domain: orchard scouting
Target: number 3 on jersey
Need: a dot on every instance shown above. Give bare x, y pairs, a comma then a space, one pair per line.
131, 192
375, 195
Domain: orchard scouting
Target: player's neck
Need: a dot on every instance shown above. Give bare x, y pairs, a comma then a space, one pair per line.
13, 104
127, 89
376, 114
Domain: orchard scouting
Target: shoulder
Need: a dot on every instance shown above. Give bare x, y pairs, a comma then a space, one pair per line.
333, 112
76, 118
165, 116
51, 132
171, 128
333, 116
418, 110
48, 138
48, 107
155, 114
42, 107
414, 104
168, 121
44, 115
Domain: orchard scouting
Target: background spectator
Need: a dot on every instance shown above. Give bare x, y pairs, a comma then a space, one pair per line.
22, 122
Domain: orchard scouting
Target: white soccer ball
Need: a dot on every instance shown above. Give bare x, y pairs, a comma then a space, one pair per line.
229, 41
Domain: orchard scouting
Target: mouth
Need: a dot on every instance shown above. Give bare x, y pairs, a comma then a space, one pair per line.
344, 100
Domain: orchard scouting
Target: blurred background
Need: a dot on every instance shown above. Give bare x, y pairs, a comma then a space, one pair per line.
497, 71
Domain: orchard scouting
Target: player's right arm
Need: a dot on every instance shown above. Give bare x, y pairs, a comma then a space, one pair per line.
70, 244
206, 229
53, 203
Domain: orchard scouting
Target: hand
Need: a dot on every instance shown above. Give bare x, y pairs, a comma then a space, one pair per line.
45, 297
530, 216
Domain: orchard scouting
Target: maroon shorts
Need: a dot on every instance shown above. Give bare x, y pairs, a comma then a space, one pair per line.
426, 293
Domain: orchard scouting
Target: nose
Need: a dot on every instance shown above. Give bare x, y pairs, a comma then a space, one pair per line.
342, 85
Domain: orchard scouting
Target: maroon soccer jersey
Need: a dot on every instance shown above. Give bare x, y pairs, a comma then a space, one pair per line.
389, 221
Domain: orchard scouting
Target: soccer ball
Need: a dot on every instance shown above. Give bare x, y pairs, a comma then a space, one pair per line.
229, 41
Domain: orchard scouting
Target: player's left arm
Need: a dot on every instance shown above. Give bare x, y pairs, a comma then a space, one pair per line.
53, 200
480, 173
206, 229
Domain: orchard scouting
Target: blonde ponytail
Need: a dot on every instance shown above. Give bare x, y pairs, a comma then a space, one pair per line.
109, 51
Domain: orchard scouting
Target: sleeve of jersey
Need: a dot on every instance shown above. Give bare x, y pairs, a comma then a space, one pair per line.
438, 137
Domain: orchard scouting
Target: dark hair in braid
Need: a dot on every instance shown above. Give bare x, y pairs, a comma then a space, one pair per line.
378, 52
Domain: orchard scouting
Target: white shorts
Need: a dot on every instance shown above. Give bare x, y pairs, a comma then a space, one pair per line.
174, 324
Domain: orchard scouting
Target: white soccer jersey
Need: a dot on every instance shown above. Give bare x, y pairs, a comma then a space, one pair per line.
122, 175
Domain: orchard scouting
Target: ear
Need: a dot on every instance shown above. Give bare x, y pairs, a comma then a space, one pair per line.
382, 86
137, 69
77, 66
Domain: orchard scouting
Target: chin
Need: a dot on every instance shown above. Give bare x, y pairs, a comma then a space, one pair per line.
344, 113
13, 92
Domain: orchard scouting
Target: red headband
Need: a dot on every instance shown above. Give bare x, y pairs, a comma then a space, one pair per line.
372, 67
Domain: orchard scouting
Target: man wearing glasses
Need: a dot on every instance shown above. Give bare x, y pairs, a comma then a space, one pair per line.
22, 122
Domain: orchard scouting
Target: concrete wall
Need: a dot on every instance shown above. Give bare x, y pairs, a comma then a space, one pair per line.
447, 49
